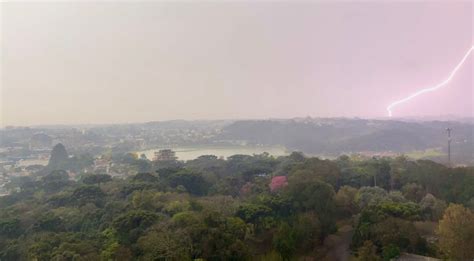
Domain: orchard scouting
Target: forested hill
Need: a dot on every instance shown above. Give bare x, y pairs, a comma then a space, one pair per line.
337, 136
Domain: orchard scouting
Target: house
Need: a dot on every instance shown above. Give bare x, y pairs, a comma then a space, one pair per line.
165, 155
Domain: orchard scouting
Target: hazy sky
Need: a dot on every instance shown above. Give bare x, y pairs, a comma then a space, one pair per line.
116, 62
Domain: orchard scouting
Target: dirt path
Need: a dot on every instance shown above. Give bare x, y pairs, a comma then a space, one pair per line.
339, 244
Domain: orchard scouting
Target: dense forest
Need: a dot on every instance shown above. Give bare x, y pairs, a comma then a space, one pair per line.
242, 208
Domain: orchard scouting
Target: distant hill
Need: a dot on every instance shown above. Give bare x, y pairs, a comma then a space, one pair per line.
337, 136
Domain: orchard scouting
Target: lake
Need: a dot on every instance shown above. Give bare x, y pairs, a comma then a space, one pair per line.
190, 153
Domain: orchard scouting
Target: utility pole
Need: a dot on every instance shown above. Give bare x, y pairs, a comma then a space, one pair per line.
448, 130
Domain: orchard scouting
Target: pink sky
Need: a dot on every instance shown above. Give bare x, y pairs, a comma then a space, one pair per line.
132, 62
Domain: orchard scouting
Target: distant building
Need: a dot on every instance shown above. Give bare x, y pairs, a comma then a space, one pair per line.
140, 143
165, 155
102, 165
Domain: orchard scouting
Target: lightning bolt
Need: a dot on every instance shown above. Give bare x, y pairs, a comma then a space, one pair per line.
430, 89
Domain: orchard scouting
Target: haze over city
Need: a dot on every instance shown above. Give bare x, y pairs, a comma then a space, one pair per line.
237, 130
118, 62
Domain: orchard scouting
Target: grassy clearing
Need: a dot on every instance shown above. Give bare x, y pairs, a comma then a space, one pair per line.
424, 154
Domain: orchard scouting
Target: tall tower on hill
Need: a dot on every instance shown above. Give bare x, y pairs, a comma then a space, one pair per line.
448, 130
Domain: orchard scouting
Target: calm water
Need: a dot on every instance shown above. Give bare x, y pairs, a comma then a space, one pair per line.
189, 153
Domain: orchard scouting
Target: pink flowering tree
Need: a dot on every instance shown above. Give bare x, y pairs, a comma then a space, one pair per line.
278, 182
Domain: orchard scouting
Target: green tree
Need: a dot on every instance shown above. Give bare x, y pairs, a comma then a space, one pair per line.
96, 179
432, 208
163, 243
192, 181
253, 213
456, 233
145, 177
399, 233
55, 181
314, 168
131, 225
48, 222
390, 252
315, 196
307, 229
368, 252
385, 224
345, 200
88, 194
42, 247
10, 227
284, 241
413, 192
369, 196
11, 250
